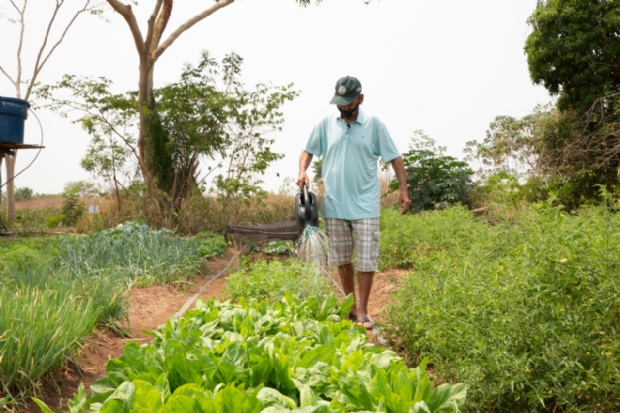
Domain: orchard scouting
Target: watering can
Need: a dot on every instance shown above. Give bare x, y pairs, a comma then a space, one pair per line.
306, 210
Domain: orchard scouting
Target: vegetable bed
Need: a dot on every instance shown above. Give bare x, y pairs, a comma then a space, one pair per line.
256, 357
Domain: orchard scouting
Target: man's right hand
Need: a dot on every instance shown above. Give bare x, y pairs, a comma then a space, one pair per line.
304, 162
303, 180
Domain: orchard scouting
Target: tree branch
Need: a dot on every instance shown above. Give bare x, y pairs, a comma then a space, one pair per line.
151, 24
47, 33
188, 24
7, 75
127, 13
39, 64
22, 24
160, 25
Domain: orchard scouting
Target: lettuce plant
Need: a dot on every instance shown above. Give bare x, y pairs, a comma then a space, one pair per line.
292, 355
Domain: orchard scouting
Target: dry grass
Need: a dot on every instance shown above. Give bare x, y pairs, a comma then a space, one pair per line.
387, 198
46, 202
199, 213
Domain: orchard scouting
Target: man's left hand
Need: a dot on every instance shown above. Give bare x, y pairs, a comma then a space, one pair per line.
404, 202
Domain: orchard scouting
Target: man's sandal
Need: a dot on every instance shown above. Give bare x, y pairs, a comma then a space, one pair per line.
366, 320
352, 317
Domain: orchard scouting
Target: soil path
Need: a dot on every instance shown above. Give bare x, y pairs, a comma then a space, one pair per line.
149, 308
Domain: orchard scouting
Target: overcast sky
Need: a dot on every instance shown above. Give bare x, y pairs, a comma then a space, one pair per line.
445, 67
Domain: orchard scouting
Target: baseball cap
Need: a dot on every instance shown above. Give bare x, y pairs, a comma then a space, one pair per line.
347, 88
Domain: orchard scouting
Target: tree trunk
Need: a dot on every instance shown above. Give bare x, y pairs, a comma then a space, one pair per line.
10, 187
145, 86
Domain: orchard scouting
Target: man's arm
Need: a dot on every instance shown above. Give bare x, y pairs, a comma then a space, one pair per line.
403, 196
304, 162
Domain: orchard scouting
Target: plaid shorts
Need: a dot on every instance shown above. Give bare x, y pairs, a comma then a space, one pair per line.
362, 234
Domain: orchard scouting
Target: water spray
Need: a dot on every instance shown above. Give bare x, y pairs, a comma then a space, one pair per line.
312, 243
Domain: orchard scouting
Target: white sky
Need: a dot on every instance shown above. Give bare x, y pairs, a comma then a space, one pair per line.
445, 67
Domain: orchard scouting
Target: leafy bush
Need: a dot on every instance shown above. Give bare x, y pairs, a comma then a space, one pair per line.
525, 313
55, 221
72, 210
253, 357
435, 181
535, 190
23, 193
271, 280
501, 187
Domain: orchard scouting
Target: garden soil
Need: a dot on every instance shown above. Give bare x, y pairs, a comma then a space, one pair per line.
149, 308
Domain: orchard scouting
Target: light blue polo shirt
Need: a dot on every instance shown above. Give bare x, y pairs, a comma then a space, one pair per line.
350, 164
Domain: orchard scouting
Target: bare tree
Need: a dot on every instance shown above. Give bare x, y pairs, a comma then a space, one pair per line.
47, 48
150, 47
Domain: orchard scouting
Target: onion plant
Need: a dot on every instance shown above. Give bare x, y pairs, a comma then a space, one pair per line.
143, 256
39, 329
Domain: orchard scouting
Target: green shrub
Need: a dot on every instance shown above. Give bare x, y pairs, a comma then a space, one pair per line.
72, 210
271, 280
23, 193
435, 181
535, 190
526, 313
30, 219
501, 188
55, 221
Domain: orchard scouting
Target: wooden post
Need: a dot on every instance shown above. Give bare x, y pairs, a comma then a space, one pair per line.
1, 159
2, 225
238, 250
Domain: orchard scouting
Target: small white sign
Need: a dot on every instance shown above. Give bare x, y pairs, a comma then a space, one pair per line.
93, 209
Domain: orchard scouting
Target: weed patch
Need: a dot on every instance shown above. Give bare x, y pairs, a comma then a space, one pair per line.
525, 312
272, 280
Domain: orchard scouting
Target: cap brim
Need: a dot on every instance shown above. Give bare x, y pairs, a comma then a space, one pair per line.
341, 100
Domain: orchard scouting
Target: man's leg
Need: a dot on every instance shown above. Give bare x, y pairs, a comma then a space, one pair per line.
364, 280
347, 278
340, 254
366, 237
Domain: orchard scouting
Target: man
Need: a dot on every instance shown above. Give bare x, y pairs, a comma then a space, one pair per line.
351, 145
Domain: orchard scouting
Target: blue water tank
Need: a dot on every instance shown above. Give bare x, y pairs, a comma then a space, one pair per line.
13, 113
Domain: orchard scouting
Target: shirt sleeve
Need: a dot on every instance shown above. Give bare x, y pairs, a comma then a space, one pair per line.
315, 145
384, 146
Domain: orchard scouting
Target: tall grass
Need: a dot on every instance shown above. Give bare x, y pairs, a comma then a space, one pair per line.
526, 312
